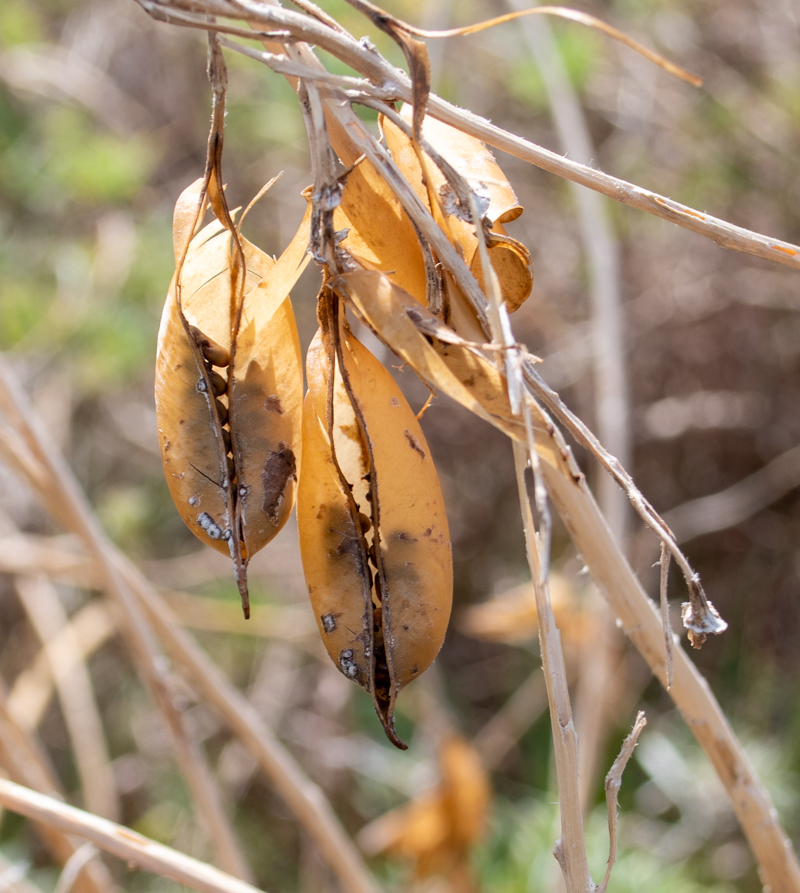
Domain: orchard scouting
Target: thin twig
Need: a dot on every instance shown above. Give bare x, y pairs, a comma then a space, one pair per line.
613, 784
75, 692
74, 866
133, 848
571, 848
663, 590
24, 759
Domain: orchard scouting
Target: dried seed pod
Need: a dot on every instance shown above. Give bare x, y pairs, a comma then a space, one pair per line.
379, 230
219, 437
381, 593
470, 158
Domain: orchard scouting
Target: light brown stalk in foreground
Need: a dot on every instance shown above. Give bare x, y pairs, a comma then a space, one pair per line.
75, 692
23, 758
570, 849
133, 848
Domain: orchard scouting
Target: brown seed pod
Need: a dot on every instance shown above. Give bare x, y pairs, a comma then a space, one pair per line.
381, 585
230, 444
470, 158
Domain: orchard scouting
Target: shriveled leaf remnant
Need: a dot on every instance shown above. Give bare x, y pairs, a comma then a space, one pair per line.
229, 386
373, 532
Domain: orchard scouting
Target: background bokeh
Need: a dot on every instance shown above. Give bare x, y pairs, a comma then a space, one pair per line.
103, 121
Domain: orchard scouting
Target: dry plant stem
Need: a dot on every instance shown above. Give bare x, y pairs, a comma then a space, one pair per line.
613, 784
73, 868
365, 60
64, 498
120, 841
595, 685
22, 757
78, 705
542, 392
772, 849
89, 628
571, 848
303, 797
665, 621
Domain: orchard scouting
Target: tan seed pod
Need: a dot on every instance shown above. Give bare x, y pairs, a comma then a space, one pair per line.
470, 158
230, 444
380, 585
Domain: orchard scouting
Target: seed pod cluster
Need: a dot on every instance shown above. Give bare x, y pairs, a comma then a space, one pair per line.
229, 386
373, 532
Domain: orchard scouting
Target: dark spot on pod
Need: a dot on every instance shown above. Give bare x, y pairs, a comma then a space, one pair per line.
218, 384
279, 469
414, 671
347, 663
406, 538
364, 521
226, 439
213, 352
210, 526
328, 622
414, 443
222, 412
348, 546
405, 627
273, 404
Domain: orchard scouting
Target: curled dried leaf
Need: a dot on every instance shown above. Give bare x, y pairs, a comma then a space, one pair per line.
373, 532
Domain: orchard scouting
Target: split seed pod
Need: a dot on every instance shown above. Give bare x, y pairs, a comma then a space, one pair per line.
497, 201
229, 386
373, 533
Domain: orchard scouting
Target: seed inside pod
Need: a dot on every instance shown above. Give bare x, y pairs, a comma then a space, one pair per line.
215, 353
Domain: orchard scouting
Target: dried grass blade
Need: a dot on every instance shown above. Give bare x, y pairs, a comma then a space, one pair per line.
90, 628
75, 693
573, 15
24, 759
122, 842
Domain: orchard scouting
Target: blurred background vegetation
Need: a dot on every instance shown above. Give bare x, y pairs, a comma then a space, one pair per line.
103, 121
